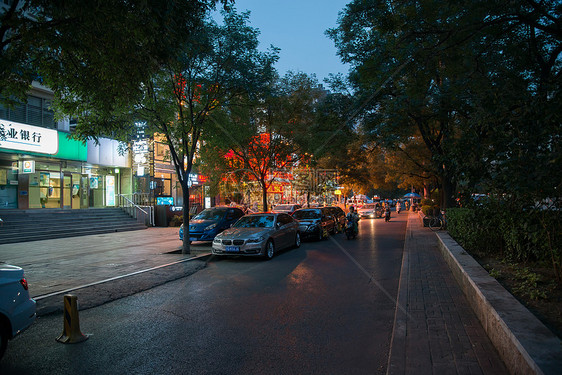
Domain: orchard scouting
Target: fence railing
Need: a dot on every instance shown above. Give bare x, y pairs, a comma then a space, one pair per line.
144, 212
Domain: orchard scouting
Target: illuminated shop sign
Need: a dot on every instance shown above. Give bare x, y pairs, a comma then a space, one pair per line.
22, 137
110, 190
28, 166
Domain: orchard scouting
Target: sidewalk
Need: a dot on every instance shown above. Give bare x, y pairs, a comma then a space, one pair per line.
55, 267
436, 331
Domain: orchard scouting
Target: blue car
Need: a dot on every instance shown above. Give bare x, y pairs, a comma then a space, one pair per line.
210, 222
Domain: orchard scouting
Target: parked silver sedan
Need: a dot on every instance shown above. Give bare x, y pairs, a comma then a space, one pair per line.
258, 235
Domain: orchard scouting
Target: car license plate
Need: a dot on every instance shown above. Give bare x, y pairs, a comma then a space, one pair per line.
232, 249
192, 238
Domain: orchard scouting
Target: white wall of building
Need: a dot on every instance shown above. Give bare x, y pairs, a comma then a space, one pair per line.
106, 154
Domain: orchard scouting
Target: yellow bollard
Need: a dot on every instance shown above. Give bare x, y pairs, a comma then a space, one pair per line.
71, 330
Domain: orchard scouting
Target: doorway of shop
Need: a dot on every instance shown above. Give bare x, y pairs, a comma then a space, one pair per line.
71, 191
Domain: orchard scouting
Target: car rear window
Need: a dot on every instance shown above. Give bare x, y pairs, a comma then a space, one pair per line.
255, 221
210, 214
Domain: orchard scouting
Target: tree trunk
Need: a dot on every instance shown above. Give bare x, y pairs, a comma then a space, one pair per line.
447, 191
264, 196
426, 193
186, 248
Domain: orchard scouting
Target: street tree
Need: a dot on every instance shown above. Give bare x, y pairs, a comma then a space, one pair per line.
270, 132
452, 73
96, 50
217, 64
409, 166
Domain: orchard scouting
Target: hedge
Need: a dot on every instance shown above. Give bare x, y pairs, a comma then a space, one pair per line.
500, 229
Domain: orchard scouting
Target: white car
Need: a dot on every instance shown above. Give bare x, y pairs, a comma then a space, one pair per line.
17, 308
370, 210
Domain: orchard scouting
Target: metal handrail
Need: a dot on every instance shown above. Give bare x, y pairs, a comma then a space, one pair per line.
136, 211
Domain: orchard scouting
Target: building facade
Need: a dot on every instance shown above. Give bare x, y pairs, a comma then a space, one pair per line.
41, 167
154, 174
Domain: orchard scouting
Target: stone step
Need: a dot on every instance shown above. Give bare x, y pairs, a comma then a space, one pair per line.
75, 233
32, 225
77, 224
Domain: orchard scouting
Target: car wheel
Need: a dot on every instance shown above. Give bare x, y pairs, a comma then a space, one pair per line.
297, 240
4, 338
269, 250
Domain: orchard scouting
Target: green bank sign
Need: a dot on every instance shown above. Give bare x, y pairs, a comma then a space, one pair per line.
18, 138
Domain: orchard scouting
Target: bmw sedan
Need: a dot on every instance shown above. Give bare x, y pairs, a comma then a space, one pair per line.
258, 235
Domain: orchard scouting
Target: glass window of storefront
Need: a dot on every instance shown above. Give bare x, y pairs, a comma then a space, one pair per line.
54, 185
8, 187
59, 184
163, 184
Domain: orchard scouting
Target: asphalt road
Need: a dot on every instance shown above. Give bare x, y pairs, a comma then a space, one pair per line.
326, 308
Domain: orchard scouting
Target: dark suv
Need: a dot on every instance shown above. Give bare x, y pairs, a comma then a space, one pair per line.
339, 217
315, 222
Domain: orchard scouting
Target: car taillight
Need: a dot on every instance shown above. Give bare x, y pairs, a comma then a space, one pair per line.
23, 282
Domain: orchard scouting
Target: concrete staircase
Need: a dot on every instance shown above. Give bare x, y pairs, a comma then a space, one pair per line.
44, 224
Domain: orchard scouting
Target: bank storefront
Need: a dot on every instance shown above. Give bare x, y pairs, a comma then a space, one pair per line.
40, 168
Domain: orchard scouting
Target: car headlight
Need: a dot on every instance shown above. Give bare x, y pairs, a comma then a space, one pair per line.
255, 240
217, 240
212, 226
312, 227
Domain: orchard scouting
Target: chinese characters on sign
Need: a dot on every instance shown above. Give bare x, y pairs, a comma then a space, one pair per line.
22, 137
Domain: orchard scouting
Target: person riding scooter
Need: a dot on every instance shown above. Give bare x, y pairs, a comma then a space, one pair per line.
387, 213
352, 229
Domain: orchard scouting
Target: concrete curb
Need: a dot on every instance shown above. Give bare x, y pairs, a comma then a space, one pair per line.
397, 353
524, 343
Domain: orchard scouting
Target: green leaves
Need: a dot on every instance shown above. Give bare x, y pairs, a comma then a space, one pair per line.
478, 83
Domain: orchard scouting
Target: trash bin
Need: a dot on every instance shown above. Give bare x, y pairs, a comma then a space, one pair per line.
162, 213
161, 216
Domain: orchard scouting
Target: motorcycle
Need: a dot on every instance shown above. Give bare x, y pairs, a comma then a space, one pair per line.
387, 215
350, 230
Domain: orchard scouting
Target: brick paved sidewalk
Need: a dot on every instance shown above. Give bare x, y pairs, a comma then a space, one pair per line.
436, 331
58, 264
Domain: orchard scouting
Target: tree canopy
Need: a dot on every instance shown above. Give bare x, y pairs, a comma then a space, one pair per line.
271, 131
478, 81
95, 50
